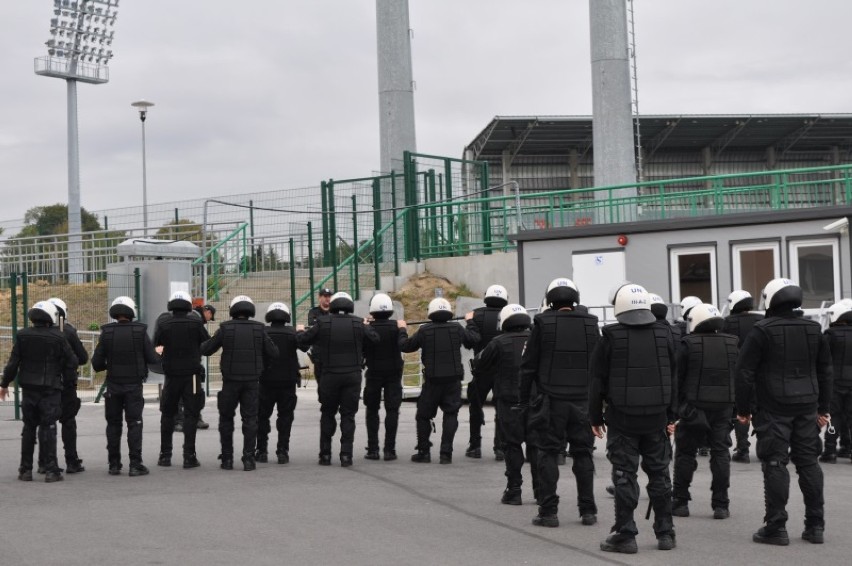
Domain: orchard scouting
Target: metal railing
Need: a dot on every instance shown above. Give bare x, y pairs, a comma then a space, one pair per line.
223, 263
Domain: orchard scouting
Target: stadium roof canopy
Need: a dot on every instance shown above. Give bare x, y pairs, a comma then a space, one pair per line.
559, 135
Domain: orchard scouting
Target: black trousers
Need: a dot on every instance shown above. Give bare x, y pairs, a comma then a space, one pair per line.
841, 418
200, 400
391, 388
718, 439
447, 396
178, 389
282, 395
513, 432
69, 406
338, 392
568, 421
624, 452
40, 410
124, 400
477, 393
244, 394
781, 439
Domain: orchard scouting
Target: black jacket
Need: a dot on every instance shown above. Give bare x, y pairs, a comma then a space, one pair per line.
246, 349
124, 351
40, 356
341, 339
70, 374
181, 334
441, 343
285, 368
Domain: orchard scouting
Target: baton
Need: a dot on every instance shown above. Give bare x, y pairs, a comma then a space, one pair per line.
425, 321
62, 324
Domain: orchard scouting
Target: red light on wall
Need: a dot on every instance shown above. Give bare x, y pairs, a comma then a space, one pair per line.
622, 240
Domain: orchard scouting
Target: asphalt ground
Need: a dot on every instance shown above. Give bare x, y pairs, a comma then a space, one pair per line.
372, 513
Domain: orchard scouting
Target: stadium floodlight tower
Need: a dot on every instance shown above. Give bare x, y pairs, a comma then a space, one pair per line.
79, 49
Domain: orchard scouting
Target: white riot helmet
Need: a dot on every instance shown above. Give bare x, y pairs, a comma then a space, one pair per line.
704, 317
440, 310
781, 291
740, 301
278, 312
381, 306
840, 312
633, 306
496, 296
658, 307
341, 302
241, 305
123, 306
688, 303
43, 312
513, 316
562, 292
180, 301
61, 307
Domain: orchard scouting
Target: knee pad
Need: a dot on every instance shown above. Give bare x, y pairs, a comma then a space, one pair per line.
620, 477
134, 424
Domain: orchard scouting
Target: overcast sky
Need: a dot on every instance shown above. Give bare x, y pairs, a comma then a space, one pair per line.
270, 94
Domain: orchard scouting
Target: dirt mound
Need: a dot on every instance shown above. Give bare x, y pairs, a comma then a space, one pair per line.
420, 289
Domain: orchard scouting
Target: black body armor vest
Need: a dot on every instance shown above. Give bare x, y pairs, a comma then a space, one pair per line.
181, 336
740, 325
486, 319
508, 383
385, 357
284, 369
242, 349
441, 350
790, 376
840, 342
124, 348
341, 339
41, 354
640, 378
566, 341
711, 374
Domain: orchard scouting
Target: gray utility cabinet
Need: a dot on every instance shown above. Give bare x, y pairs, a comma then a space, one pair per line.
165, 266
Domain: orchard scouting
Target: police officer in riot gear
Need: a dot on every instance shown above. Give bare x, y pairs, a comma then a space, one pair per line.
40, 358
839, 335
502, 357
739, 323
441, 342
556, 360
633, 372
70, 404
206, 313
686, 305
384, 378
246, 350
278, 384
785, 363
706, 375
124, 351
341, 337
180, 335
486, 321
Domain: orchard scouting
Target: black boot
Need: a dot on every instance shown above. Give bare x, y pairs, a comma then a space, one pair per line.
422, 457
473, 451
324, 459
372, 454
778, 537
511, 496
390, 455
248, 462
114, 467
345, 460
261, 457
138, 469
227, 461
25, 475
190, 461
618, 542
53, 476
165, 459
74, 466
283, 456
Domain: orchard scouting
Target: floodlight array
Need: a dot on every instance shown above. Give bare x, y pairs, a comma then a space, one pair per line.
81, 30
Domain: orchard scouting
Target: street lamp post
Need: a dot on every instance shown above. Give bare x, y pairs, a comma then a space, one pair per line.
143, 106
79, 49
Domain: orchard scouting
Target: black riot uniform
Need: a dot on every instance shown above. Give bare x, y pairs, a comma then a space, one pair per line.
486, 321
502, 358
384, 380
706, 377
441, 344
740, 324
40, 357
181, 334
246, 349
340, 337
315, 353
200, 377
784, 370
70, 404
278, 384
633, 373
840, 342
556, 361
124, 351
